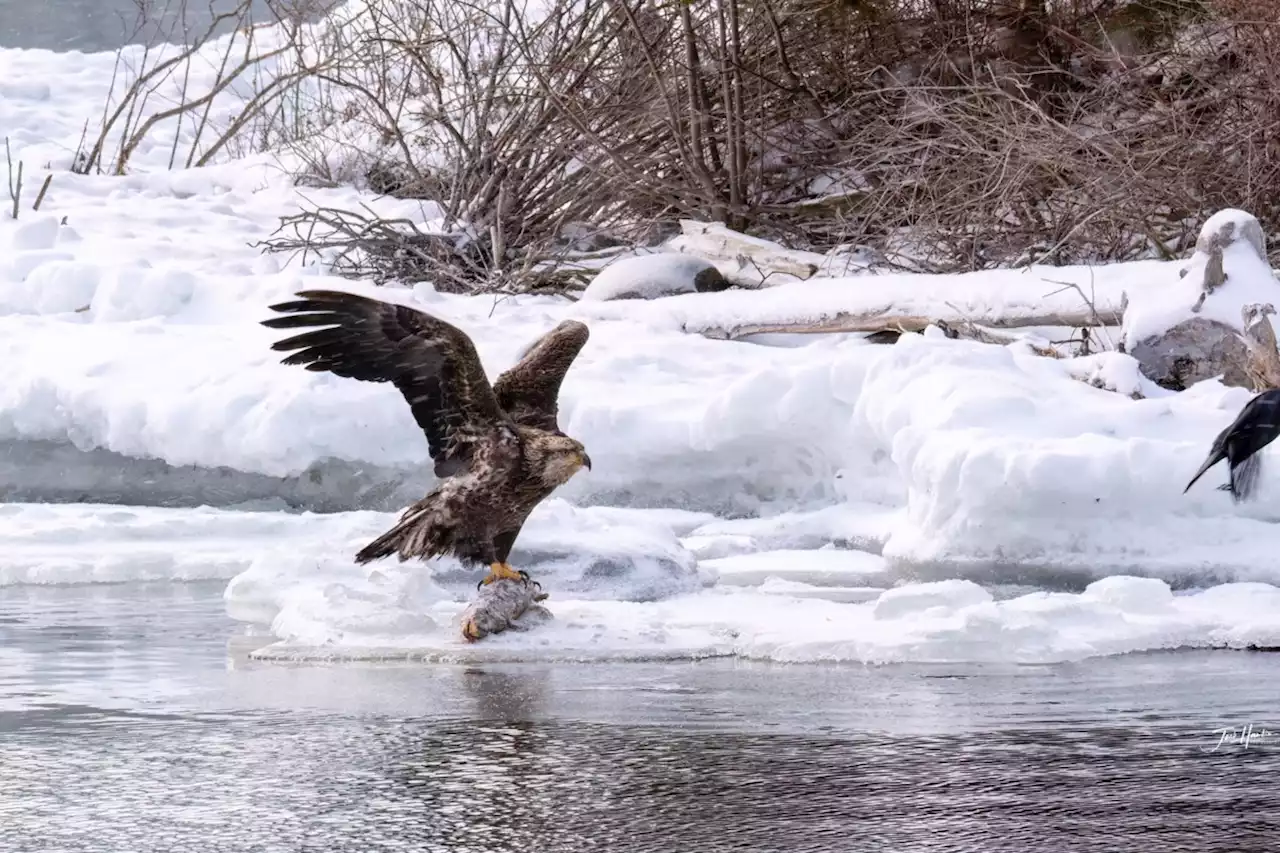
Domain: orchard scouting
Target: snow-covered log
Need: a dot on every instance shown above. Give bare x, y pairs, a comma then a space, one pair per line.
888, 320
755, 264
504, 605
1193, 329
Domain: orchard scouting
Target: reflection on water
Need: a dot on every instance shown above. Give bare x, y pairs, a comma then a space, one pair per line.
132, 722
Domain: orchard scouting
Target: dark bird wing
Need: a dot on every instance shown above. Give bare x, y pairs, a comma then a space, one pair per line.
1257, 425
530, 390
432, 363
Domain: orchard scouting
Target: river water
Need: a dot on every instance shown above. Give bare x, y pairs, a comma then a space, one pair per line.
94, 25
132, 721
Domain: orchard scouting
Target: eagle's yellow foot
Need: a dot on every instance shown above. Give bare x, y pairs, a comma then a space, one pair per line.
502, 572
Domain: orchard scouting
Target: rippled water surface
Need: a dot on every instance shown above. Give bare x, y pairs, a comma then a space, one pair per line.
131, 720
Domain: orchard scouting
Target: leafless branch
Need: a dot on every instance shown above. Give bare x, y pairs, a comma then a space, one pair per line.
15, 186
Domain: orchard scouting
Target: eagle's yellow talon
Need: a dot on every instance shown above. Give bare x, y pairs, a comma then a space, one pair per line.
502, 572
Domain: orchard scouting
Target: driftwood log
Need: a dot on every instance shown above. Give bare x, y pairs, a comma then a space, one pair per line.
883, 321
504, 605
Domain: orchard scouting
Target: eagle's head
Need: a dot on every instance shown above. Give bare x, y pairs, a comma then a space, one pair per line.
557, 458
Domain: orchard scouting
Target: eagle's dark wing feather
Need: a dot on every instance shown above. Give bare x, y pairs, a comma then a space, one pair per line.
1257, 425
529, 391
432, 363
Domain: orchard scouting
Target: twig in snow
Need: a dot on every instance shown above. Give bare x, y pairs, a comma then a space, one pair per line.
44, 188
15, 188
1091, 302
968, 329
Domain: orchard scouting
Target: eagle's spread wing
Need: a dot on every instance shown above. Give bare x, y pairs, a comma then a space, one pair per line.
529, 391
432, 363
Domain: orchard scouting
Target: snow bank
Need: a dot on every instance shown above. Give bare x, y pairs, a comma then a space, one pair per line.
949, 621
315, 593
294, 573
960, 454
70, 543
47, 98
194, 388
595, 552
1007, 461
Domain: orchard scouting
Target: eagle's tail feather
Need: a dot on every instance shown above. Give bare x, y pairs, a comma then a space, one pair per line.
1214, 459
413, 536
1244, 477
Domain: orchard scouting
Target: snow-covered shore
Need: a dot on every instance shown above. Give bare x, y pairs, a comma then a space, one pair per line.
129, 311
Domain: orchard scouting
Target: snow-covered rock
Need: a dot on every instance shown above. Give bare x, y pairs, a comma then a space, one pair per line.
1189, 331
654, 276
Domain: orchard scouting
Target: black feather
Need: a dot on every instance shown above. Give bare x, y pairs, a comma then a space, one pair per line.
298, 321
1257, 425
1244, 478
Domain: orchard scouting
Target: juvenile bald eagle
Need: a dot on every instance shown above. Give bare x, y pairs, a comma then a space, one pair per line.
498, 449
1254, 428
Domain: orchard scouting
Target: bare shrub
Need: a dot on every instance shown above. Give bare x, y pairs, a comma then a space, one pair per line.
954, 135
460, 104
1073, 132
176, 75
946, 134
521, 125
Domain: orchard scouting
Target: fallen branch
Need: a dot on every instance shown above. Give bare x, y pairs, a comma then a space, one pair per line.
970, 332
504, 605
367, 246
1091, 302
364, 245
887, 320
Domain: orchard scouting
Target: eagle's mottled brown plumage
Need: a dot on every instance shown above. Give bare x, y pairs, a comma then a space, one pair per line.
498, 449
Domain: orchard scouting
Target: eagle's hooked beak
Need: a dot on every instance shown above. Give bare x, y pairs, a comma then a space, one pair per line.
586, 460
